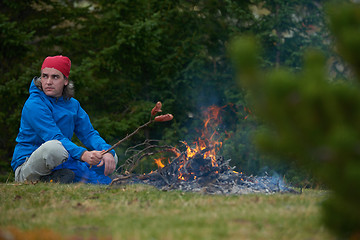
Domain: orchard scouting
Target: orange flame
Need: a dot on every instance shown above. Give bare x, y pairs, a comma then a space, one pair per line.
207, 145
159, 163
207, 140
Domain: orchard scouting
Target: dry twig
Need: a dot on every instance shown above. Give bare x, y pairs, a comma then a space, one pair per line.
139, 154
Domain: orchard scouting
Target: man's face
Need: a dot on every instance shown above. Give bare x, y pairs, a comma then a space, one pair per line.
53, 82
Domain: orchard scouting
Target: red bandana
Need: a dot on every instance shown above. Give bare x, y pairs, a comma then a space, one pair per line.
61, 63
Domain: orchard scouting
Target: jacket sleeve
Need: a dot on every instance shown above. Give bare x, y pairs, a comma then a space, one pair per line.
39, 117
87, 134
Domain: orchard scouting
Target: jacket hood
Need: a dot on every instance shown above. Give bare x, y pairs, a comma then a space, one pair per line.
33, 88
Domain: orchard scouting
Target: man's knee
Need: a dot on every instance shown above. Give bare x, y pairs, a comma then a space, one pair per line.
54, 153
53, 145
48, 156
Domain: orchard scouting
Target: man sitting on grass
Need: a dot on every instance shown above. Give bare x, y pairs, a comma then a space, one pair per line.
49, 119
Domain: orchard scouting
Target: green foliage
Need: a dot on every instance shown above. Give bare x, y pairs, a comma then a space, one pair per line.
287, 28
13, 45
347, 33
311, 120
127, 55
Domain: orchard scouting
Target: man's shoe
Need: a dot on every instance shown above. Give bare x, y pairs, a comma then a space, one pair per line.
59, 176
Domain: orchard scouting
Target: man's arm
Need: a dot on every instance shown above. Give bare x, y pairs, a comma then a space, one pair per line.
92, 140
39, 117
109, 161
91, 157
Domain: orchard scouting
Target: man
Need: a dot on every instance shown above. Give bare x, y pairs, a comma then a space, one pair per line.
50, 117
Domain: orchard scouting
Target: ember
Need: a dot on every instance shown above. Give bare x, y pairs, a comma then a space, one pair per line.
199, 169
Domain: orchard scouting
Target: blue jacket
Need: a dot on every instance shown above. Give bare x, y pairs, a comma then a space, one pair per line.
47, 118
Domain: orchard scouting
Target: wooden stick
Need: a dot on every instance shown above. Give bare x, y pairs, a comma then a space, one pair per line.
154, 111
128, 136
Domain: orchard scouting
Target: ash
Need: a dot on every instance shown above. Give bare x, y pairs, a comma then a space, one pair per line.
199, 174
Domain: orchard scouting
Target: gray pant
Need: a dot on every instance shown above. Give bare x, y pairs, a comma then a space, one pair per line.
44, 159
48, 156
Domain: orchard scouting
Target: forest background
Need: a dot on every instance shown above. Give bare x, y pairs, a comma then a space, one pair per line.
127, 55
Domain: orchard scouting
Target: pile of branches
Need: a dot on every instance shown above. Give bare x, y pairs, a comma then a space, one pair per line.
199, 174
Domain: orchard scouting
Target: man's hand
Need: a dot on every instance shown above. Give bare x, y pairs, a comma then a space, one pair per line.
92, 157
109, 161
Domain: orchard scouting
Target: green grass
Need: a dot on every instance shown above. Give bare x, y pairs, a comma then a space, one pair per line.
143, 212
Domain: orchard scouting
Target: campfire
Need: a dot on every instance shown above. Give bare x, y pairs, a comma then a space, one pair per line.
197, 168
